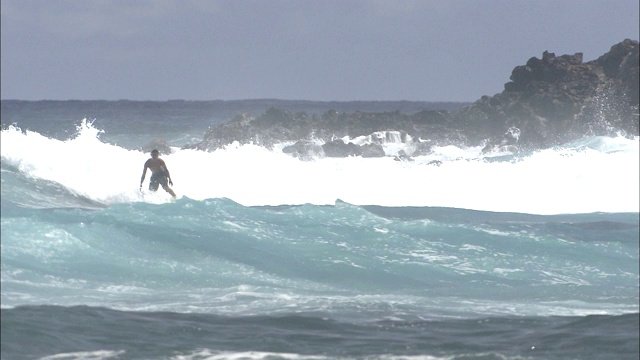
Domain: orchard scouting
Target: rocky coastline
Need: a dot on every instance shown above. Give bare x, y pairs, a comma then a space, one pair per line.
548, 101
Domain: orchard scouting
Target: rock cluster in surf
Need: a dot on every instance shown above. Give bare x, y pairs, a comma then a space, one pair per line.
548, 101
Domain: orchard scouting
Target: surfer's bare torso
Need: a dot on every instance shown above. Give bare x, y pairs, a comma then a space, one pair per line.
157, 166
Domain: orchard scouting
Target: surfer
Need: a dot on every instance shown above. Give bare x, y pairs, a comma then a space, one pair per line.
159, 174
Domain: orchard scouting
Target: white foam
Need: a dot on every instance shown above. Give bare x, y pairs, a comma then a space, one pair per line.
207, 354
86, 355
601, 175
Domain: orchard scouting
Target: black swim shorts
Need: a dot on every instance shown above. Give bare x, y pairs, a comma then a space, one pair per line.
158, 179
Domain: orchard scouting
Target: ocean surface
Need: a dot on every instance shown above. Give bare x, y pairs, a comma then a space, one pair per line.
453, 255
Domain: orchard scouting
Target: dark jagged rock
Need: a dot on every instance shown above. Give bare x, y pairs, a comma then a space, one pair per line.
509, 142
274, 126
304, 149
559, 98
278, 125
338, 148
372, 150
421, 148
548, 101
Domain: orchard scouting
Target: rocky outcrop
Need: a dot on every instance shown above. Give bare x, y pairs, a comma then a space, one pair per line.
304, 150
338, 148
549, 100
274, 126
559, 98
324, 134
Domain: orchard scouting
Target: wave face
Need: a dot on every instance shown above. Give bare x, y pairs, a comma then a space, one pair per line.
218, 256
266, 256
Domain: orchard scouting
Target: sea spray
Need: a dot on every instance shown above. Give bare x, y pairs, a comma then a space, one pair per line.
594, 174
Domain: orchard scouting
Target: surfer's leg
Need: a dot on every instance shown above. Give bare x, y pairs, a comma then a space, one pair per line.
168, 189
153, 184
164, 181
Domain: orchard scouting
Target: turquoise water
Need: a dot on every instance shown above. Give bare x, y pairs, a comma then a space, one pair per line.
479, 258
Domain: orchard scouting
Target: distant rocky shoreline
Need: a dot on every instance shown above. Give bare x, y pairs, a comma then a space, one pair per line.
548, 101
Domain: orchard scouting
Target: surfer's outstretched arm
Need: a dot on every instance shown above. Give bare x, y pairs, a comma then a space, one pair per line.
144, 172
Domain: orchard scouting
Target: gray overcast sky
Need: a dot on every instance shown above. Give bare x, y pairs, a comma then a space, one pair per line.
424, 50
